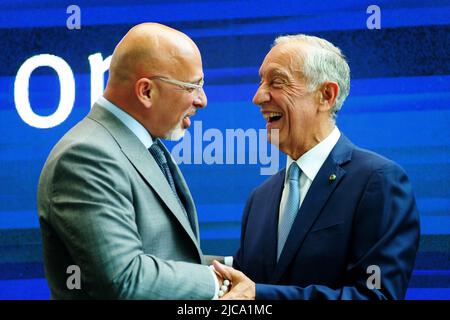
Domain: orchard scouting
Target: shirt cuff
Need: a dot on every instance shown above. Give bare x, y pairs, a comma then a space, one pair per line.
228, 261
216, 284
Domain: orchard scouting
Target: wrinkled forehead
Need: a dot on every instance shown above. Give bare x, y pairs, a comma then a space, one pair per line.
282, 59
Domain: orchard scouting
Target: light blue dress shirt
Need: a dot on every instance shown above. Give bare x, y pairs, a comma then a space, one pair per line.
132, 124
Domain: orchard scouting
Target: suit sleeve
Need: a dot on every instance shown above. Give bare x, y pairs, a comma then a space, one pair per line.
91, 210
385, 238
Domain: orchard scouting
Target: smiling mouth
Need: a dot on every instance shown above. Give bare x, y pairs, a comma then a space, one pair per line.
272, 116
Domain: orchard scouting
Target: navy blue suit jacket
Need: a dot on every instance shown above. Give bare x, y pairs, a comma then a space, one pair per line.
366, 216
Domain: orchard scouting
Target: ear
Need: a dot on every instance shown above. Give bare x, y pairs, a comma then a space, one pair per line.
143, 89
328, 94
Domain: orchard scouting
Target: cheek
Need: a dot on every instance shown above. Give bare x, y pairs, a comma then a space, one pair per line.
178, 103
289, 108
297, 118
183, 107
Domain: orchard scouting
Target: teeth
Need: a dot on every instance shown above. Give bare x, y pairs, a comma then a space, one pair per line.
269, 115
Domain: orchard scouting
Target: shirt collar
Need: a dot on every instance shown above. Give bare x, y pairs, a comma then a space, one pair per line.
312, 161
131, 123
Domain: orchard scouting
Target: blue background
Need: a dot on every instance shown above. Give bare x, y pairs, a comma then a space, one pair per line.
399, 106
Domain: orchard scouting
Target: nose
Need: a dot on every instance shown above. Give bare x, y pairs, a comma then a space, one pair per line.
200, 101
261, 96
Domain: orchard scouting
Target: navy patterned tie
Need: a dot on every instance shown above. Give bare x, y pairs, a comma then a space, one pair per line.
160, 158
291, 207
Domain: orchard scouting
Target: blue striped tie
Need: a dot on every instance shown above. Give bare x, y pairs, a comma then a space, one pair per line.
291, 207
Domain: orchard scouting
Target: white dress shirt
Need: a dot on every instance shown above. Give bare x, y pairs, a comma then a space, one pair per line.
310, 164
146, 139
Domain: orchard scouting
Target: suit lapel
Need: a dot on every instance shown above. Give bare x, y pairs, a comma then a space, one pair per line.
270, 225
144, 163
315, 200
184, 192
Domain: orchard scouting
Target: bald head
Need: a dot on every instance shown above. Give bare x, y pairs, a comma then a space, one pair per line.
143, 68
150, 49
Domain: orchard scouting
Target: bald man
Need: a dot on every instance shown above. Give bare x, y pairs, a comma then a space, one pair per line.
117, 218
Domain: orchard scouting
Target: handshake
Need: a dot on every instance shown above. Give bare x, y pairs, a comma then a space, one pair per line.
234, 285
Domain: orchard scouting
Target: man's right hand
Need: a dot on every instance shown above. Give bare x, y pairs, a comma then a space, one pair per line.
242, 288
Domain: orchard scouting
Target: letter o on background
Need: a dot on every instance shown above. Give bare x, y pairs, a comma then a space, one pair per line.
67, 91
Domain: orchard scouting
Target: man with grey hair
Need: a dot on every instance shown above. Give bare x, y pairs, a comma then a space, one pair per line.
339, 222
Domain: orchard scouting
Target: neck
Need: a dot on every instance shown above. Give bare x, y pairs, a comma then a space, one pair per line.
120, 98
319, 135
125, 102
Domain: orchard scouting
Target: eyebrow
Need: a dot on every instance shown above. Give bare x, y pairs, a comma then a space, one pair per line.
198, 80
276, 73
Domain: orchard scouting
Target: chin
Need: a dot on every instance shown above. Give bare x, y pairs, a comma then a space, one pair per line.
175, 134
273, 137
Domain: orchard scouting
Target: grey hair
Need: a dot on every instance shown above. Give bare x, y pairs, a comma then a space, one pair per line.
325, 62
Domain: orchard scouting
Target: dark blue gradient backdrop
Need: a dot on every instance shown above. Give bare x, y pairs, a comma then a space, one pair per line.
399, 106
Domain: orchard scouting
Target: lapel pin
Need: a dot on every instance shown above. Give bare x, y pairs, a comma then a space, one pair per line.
332, 177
